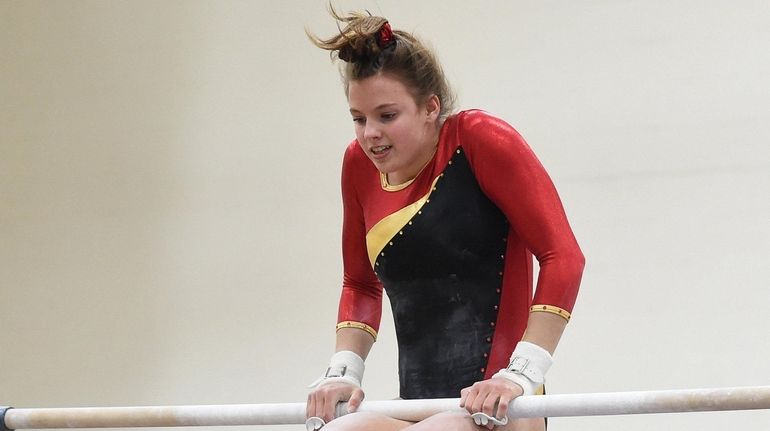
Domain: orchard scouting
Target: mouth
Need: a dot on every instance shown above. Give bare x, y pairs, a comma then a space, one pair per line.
380, 149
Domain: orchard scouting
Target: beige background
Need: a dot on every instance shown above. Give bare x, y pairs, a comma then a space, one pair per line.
170, 212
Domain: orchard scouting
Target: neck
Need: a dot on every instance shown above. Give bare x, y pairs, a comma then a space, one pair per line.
420, 162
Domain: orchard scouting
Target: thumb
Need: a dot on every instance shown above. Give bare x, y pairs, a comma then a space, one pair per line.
355, 400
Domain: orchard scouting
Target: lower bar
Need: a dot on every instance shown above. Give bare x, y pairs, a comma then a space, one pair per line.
596, 404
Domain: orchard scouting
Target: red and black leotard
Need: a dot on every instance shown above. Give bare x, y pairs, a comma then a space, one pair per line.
453, 249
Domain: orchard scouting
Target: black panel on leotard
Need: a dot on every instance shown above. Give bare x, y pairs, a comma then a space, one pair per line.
443, 277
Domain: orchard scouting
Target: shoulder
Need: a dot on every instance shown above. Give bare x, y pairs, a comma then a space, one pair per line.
357, 170
476, 118
353, 151
355, 157
477, 128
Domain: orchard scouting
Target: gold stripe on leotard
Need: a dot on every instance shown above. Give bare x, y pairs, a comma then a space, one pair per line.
382, 232
358, 325
550, 309
395, 187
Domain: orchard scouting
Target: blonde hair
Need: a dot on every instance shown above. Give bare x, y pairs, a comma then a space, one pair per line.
368, 47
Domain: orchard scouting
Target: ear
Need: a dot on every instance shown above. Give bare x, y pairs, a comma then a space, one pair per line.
433, 108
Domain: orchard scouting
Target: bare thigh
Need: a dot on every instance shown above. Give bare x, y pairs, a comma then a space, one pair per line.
461, 421
447, 421
361, 421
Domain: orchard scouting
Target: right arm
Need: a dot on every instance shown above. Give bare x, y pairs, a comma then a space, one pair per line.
360, 305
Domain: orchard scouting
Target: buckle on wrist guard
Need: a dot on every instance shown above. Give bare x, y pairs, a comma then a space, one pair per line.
336, 371
520, 365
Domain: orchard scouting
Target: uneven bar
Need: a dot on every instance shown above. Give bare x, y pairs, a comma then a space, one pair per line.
595, 404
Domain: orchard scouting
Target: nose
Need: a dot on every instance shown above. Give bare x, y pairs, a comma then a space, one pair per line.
371, 131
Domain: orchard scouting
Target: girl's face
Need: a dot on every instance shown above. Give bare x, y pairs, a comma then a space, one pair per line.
397, 134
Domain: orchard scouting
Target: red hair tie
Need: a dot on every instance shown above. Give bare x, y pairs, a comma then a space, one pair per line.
385, 37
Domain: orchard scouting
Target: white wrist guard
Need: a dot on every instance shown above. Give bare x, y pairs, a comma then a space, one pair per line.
529, 363
345, 367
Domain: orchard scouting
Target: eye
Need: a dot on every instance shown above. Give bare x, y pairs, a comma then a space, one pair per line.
388, 116
359, 120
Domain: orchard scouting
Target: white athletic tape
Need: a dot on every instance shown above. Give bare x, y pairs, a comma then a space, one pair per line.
345, 367
529, 363
314, 423
482, 419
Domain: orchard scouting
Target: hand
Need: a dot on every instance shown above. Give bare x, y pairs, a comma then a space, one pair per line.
322, 401
490, 397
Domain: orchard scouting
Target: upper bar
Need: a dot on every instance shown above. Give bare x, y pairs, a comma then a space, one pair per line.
596, 404
3, 409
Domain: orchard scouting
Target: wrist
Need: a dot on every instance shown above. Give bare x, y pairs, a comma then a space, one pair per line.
345, 366
527, 368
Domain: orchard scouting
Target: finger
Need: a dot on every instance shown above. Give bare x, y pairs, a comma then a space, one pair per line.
478, 402
315, 405
330, 403
355, 400
470, 399
464, 395
319, 406
502, 406
489, 406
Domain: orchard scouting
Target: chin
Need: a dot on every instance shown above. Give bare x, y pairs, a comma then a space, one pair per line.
383, 167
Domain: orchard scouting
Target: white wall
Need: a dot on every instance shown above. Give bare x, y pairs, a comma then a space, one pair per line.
169, 198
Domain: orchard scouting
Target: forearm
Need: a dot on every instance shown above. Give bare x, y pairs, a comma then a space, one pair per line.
532, 358
357, 341
545, 330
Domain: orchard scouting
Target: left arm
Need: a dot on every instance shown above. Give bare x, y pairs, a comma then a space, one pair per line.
493, 396
512, 177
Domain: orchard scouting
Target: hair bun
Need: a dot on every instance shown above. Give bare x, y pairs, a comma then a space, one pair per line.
363, 47
385, 36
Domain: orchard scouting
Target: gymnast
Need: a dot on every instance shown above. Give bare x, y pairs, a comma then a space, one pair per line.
444, 210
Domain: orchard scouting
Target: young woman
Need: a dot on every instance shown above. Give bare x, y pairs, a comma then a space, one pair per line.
444, 210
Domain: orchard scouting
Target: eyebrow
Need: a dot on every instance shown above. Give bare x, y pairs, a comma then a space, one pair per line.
378, 107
